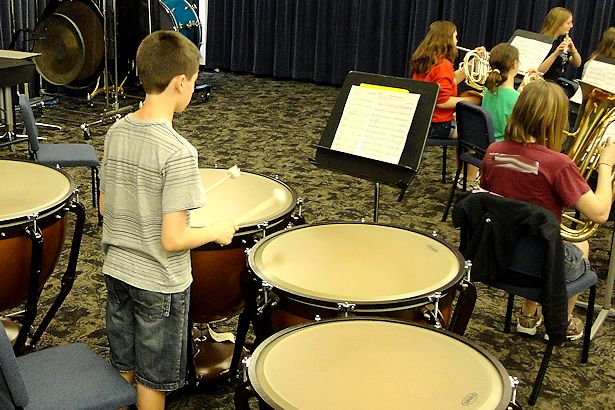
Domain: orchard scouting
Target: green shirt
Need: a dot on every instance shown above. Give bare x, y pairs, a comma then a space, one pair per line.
500, 106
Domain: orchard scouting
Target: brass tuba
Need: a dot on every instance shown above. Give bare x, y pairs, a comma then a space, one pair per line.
597, 115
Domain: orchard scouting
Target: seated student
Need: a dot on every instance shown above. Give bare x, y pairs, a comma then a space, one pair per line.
547, 178
433, 61
557, 25
500, 95
606, 47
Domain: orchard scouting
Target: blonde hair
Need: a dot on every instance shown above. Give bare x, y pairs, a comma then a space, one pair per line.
541, 112
437, 45
606, 47
162, 56
502, 58
556, 17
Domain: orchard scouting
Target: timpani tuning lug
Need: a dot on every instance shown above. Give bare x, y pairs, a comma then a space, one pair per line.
468, 268
514, 383
346, 307
246, 364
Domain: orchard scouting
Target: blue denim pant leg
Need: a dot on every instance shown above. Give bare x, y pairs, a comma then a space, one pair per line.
574, 263
149, 335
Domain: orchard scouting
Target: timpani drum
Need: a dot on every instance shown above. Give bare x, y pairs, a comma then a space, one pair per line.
216, 291
370, 363
33, 197
335, 269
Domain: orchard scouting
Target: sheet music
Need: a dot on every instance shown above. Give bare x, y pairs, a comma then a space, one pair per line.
17, 55
598, 74
375, 122
609, 132
531, 52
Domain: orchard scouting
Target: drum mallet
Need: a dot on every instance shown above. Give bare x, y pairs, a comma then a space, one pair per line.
277, 196
234, 172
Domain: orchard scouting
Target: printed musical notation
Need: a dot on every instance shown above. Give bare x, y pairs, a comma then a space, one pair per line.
531, 52
598, 74
375, 122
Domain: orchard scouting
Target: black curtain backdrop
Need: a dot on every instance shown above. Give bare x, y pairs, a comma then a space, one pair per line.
321, 40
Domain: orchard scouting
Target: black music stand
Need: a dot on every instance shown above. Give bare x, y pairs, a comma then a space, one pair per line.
362, 164
526, 41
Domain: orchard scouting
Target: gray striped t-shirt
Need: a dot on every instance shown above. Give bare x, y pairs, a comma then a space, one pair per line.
148, 169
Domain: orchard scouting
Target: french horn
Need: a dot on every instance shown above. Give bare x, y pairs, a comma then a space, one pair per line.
476, 68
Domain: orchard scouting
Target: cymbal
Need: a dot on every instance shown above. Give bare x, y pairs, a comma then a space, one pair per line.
89, 22
61, 45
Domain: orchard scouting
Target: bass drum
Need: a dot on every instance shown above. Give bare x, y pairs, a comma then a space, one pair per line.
70, 38
179, 15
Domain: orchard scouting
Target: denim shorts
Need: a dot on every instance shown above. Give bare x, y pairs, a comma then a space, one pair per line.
148, 334
574, 263
440, 130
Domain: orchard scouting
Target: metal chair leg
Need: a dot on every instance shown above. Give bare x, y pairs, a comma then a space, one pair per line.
588, 324
443, 163
509, 312
451, 195
541, 374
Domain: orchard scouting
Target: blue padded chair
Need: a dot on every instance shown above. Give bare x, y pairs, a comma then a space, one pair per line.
62, 155
475, 133
525, 274
63, 377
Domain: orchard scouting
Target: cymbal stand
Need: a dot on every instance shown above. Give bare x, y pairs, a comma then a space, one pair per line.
115, 89
116, 112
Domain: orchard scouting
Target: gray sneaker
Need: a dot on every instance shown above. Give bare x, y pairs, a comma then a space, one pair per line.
575, 329
528, 324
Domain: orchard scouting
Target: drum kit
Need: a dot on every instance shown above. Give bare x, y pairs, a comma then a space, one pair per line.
32, 233
359, 295
84, 44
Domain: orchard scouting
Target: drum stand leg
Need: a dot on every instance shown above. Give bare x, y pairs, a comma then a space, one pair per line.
248, 315
243, 325
36, 236
464, 308
69, 276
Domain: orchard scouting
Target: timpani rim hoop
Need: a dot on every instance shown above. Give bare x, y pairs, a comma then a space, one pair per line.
255, 367
43, 209
389, 300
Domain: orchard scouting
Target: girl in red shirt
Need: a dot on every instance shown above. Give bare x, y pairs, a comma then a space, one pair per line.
433, 61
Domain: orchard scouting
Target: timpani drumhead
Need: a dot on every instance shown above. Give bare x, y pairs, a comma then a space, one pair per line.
236, 196
29, 188
355, 262
366, 363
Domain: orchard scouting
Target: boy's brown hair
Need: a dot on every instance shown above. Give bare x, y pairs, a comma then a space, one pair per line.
437, 45
541, 112
162, 56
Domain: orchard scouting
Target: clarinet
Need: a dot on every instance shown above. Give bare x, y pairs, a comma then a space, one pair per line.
564, 54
